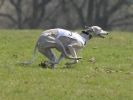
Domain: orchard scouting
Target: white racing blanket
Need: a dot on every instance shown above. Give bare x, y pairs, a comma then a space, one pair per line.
69, 34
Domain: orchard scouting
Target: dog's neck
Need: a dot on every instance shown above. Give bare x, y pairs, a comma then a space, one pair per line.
87, 36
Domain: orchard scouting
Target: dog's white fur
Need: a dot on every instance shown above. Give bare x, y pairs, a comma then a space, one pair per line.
66, 42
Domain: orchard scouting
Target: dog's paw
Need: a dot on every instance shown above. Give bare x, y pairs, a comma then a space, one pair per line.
78, 58
44, 64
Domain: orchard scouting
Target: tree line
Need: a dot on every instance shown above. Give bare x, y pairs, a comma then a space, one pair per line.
71, 14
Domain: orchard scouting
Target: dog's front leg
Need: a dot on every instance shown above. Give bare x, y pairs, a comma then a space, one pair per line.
72, 51
61, 48
73, 48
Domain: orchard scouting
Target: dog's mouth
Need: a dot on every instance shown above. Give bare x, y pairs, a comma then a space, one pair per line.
100, 35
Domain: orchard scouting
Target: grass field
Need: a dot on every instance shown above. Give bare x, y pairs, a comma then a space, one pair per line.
110, 77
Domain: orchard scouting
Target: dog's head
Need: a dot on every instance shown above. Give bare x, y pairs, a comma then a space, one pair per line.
95, 31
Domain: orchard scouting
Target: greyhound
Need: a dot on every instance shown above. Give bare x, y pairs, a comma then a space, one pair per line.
68, 43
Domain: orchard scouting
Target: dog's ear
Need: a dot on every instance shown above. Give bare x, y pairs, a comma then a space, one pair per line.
90, 29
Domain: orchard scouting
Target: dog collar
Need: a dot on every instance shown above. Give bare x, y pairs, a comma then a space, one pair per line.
87, 33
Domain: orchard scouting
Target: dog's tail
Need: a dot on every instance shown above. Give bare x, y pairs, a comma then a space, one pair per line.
32, 59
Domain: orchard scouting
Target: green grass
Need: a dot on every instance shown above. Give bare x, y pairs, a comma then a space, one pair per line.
109, 78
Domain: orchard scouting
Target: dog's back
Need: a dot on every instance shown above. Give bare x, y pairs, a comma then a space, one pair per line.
50, 32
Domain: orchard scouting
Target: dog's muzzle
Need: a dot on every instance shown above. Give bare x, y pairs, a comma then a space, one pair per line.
102, 35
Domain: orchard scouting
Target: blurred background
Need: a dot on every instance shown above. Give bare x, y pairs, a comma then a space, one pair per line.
70, 14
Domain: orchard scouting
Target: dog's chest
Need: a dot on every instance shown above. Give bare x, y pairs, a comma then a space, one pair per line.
67, 41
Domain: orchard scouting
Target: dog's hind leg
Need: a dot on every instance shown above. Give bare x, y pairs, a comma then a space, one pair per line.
50, 55
62, 56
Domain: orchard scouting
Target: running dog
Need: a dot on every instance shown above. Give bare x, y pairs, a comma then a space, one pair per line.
68, 43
